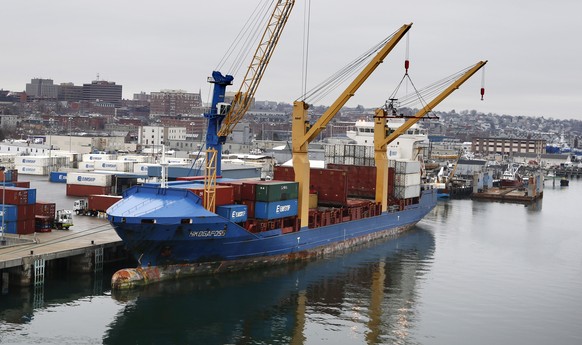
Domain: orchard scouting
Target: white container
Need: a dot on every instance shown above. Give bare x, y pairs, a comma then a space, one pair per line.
407, 192
142, 168
41, 161
117, 165
134, 158
88, 157
405, 166
90, 179
88, 166
32, 170
178, 160
406, 179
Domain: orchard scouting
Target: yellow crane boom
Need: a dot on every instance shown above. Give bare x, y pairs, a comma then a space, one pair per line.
303, 133
382, 138
243, 98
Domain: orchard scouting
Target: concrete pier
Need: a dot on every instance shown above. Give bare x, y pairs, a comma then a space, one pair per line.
18, 255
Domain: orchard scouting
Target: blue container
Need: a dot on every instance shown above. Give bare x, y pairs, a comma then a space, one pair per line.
10, 212
58, 177
31, 196
8, 175
275, 209
6, 184
234, 213
10, 227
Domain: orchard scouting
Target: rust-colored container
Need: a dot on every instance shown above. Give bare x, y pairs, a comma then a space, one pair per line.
85, 190
45, 209
250, 208
100, 202
329, 184
224, 194
361, 179
236, 189
26, 212
25, 227
14, 196
22, 184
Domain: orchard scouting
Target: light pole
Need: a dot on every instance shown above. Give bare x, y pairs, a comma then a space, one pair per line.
70, 137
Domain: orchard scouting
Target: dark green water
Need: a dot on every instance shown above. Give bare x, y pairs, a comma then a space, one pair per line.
470, 273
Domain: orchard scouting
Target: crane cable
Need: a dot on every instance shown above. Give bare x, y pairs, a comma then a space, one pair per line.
412, 99
246, 38
324, 88
306, 34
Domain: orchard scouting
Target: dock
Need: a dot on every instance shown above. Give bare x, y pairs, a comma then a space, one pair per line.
515, 195
24, 259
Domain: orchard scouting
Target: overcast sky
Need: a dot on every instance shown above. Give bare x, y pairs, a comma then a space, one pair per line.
533, 48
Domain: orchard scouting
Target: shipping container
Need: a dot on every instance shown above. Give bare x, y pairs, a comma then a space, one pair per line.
275, 209
143, 168
236, 189
224, 194
25, 211
234, 213
9, 212
101, 202
89, 157
136, 159
407, 192
331, 185
250, 204
46, 209
21, 184
406, 166
90, 179
14, 196
10, 227
276, 191
407, 179
85, 190
123, 166
32, 170
58, 177
87, 166
41, 161
25, 227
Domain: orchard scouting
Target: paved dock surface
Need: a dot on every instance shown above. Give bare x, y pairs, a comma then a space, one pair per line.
58, 243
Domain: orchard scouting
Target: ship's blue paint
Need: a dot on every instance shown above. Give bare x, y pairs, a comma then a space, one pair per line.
184, 232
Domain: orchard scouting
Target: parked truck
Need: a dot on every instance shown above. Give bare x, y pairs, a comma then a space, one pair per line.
94, 205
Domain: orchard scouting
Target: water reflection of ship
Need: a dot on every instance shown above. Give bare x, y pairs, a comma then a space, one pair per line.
280, 304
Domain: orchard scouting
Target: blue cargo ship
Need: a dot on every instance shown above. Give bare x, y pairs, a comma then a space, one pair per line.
171, 234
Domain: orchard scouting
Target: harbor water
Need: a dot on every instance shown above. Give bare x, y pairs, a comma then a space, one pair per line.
471, 272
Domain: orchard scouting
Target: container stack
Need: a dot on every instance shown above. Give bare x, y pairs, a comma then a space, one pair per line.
38, 165
18, 210
86, 183
44, 215
276, 199
349, 154
406, 178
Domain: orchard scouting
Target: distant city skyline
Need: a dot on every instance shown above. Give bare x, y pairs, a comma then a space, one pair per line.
533, 67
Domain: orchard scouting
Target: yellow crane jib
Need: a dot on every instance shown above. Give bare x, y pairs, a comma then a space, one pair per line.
257, 67
303, 133
382, 138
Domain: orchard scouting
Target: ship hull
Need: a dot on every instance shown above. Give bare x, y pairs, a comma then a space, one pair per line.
208, 243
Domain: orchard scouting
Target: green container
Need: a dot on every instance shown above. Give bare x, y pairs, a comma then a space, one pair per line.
276, 191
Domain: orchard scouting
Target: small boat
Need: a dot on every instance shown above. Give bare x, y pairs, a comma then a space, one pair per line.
511, 177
